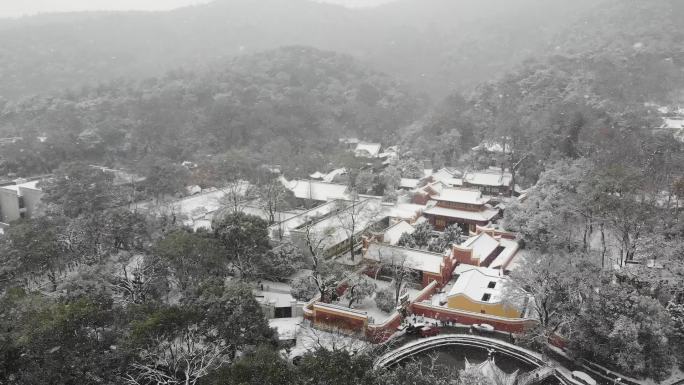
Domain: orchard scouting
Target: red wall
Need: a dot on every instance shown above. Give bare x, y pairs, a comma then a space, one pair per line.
340, 320
420, 199
429, 277
463, 256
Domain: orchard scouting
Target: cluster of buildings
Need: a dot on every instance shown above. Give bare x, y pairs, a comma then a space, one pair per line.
463, 284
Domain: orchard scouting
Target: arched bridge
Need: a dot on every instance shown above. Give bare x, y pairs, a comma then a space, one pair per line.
542, 369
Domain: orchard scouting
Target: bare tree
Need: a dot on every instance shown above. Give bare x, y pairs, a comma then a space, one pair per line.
325, 274
358, 288
135, 281
237, 193
333, 339
181, 360
355, 216
394, 264
272, 198
551, 288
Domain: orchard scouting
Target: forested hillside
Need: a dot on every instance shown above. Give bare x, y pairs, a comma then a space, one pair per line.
435, 45
282, 106
596, 90
588, 78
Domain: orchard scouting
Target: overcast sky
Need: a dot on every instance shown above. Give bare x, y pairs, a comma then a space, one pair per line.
15, 8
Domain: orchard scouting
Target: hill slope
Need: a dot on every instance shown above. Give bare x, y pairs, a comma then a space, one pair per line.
434, 45
593, 93
278, 105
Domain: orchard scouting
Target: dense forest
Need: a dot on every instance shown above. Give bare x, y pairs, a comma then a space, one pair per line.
601, 86
284, 107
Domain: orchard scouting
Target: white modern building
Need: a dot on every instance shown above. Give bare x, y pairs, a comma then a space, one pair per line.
19, 200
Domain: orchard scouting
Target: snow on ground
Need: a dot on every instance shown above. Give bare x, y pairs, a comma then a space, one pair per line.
375, 315
205, 201
287, 328
274, 293
443, 292
367, 305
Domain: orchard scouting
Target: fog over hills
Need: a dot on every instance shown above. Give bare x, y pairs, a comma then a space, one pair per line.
25, 8
435, 46
461, 44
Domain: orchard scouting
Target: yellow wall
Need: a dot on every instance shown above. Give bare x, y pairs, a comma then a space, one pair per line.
462, 302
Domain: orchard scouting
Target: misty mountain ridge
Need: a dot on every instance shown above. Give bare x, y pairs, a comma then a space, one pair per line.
436, 46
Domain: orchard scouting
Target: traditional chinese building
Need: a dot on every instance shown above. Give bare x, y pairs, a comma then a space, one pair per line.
479, 290
493, 181
467, 208
367, 150
486, 249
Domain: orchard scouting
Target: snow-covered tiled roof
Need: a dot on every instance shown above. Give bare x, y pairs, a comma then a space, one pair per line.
411, 258
408, 211
492, 146
474, 282
432, 188
317, 191
456, 195
488, 178
482, 245
390, 152
393, 233
329, 177
370, 150
450, 177
409, 183
481, 216
504, 259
